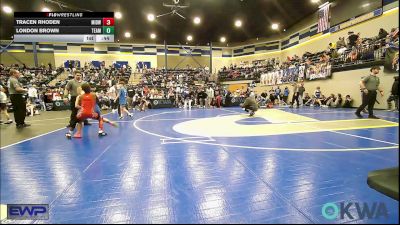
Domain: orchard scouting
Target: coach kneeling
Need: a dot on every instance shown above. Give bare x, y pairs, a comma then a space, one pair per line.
250, 104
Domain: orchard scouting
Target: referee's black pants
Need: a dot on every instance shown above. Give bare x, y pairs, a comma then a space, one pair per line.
369, 100
19, 107
74, 111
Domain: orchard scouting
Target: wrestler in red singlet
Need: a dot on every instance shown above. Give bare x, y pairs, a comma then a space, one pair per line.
88, 109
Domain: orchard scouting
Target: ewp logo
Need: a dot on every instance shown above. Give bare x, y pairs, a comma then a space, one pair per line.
331, 211
27, 212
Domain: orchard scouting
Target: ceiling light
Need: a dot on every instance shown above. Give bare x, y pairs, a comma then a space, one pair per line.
196, 20
118, 15
150, 17
189, 38
127, 34
7, 9
314, 1
45, 9
366, 5
275, 26
153, 36
222, 39
238, 23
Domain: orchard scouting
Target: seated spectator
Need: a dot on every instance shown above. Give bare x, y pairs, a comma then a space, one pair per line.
31, 108
353, 39
306, 99
323, 100
331, 46
324, 58
317, 97
382, 34
340, 43
353, 56
348, 102
334, 101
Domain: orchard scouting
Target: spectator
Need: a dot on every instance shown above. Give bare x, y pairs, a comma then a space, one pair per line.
32, 93
382, 34
187, 95
131, 94
348, 102
210, 96
202, 96
394, 95
352, 39
295, 95
302, 89
317, 97
3, 106
340, 43
306, 99
278, 94
286, 95
31, 108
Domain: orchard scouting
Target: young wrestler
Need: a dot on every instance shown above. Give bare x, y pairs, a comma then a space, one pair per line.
122, 94
88, 109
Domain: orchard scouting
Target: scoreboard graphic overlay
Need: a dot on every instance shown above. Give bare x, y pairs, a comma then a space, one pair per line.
80, 27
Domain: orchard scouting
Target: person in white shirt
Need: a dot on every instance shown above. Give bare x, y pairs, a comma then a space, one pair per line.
32, 93
3, 106
112, 94
210, 96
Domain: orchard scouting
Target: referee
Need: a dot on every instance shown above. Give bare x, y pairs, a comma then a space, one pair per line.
16, 96
369, 86
73, 87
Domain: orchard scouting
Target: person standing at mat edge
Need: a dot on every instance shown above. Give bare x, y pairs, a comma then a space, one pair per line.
17, 99
369, 86
73, 88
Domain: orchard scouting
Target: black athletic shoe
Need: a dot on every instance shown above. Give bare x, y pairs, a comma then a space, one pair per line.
26, 125
358, 115
373, 117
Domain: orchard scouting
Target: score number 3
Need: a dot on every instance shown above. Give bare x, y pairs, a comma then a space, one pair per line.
108, 21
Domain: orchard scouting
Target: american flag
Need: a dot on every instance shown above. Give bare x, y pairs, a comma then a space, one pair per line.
323, 18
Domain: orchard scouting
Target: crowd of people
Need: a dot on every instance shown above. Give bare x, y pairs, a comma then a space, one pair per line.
346, 51
296, 93
197, 87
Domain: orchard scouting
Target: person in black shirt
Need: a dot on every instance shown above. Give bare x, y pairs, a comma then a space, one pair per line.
394, 95
202, 98
131, 94
352, 39
348, 102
